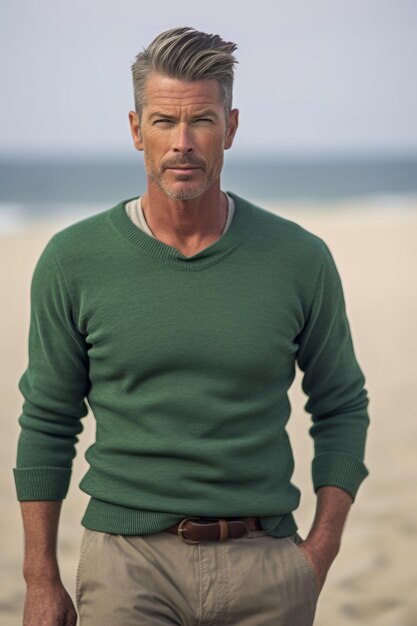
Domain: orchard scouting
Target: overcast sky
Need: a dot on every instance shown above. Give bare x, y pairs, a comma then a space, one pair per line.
313, 75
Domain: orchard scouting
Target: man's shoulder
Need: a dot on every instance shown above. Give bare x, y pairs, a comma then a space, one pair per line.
87, 229
75, 245
274, 229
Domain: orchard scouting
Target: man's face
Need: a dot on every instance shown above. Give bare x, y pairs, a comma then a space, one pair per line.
183, 133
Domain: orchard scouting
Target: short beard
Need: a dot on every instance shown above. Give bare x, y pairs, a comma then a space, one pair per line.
189, 194
185, 194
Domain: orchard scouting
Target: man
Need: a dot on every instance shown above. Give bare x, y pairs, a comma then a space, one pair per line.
180, 316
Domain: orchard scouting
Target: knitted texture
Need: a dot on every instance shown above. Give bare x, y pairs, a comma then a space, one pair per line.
186, 363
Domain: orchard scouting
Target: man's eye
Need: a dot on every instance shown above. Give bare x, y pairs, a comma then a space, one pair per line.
204, 119
162, 121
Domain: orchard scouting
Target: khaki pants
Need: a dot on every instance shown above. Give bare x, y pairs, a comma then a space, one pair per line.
159, 580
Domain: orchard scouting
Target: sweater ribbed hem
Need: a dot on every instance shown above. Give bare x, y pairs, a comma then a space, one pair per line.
41, 483
119, 520
279, 525
338, 469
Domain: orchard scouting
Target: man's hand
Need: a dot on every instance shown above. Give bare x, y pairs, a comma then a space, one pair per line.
319, 557
47, 602
48, 605
323, 541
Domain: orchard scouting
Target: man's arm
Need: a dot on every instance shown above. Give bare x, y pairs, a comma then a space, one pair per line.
54, 387
337, 401
47, 602
323, 541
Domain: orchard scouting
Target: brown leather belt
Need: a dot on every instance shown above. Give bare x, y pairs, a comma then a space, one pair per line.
196, 529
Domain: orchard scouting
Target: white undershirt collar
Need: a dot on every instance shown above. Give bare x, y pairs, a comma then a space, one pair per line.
135, 212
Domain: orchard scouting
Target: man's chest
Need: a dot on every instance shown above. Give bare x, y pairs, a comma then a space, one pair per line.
244, 325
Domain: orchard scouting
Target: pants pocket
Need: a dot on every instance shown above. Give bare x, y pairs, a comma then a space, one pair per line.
300, 557
86, 543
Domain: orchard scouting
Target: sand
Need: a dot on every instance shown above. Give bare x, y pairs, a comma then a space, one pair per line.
374, 578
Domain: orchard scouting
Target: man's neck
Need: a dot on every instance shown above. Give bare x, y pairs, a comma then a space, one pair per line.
187, 225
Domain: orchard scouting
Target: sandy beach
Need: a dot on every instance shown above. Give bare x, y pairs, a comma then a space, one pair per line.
374, 579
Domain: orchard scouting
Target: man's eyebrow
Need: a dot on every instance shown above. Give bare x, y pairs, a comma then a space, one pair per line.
161, 114
205, 113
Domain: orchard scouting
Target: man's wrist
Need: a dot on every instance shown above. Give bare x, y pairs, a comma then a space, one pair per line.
41, 572
324, 543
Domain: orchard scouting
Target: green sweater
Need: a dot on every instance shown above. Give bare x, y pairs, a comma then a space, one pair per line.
186, 363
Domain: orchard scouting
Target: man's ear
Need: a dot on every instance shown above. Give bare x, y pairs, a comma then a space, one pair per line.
232, 128
135, 130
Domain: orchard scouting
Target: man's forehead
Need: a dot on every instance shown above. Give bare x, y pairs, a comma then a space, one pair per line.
167, 91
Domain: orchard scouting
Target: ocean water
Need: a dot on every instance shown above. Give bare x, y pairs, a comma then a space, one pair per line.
67, 190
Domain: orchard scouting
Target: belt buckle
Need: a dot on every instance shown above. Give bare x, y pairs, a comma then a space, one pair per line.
181, 530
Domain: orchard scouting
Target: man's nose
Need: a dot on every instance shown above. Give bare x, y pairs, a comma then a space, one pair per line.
183, 141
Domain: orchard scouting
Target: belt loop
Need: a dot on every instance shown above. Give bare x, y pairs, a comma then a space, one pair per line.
224, 529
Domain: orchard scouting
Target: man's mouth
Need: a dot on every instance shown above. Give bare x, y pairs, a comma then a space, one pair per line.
183, 167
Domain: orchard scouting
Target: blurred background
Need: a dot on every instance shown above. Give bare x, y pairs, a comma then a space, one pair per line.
327, 93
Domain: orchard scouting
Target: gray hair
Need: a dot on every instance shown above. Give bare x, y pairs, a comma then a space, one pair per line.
186, 54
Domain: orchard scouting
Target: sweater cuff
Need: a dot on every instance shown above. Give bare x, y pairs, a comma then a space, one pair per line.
42, 483
338, 469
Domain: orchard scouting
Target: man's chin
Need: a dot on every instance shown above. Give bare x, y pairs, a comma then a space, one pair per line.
183, 193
